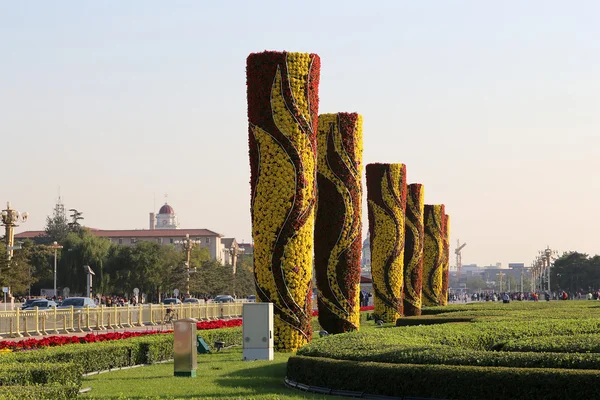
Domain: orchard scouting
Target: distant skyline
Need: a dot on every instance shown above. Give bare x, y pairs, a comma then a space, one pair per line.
493, 106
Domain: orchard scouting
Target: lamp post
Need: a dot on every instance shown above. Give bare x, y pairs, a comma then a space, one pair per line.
10, 218
55, 246
500, 275
549, 256
187, 244
233, 253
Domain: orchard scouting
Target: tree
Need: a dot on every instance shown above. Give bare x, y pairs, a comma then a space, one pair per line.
82, 248
76, 216
575, 271
16, 273
57, 226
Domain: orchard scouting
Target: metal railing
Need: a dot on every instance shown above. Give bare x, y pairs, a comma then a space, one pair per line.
37, 322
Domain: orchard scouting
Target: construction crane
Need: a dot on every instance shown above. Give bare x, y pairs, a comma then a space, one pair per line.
459, 247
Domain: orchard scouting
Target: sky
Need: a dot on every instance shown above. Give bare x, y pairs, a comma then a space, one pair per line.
493, 106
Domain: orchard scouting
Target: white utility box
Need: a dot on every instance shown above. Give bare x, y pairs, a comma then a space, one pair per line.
257, 331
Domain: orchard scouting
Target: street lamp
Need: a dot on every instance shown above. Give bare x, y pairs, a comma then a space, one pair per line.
187, 245
10, 218
55, 246
233, 253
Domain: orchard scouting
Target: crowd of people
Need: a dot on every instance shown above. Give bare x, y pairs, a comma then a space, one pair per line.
523, 296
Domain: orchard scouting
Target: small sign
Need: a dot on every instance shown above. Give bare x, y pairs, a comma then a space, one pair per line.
175, 292
5, 289
136, 291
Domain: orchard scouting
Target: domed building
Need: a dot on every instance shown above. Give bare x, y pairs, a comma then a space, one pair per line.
165, 219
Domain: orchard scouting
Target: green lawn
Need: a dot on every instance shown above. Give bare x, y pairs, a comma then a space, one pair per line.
220, 376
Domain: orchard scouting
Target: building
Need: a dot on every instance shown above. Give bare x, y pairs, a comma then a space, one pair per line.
246, 248
163, 229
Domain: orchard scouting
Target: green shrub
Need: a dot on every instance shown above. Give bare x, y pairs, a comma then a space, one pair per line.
442, 381
428, 320
231, 336
47, 392
582, 343
100, 356
39, 374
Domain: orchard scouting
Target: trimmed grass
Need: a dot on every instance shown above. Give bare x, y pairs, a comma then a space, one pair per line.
219, 376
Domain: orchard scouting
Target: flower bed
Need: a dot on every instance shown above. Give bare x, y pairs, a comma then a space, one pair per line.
433, 254
413, 251
219, 323
338, 221
51, 341
386, 199
446, 262
283, 119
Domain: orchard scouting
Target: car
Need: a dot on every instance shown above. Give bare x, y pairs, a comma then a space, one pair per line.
28, 303
171, 300
41, 305
223, 298
77, 302
252, 298
191, 300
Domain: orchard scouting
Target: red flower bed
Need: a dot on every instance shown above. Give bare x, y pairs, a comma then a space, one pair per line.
51, 341
62, 340
218, 324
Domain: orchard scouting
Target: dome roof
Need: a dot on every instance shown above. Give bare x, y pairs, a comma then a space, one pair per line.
166, 209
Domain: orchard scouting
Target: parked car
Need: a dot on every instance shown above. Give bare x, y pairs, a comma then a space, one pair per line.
28, 303
223, 298
191, 300
252, 298
77, 302
171, 300
41, 305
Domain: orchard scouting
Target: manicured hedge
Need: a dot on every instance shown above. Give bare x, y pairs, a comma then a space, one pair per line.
46, 392
93, 357
101, 356
427, 320
583, 343
457, 344
39, 374
231, 336
442, 381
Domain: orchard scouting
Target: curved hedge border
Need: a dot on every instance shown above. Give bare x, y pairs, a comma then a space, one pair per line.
583, 343
45, 392
443, 381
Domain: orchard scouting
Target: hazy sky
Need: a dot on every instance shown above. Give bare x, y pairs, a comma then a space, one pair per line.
493, 106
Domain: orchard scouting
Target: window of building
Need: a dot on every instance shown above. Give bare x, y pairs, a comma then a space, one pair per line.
159, 240
171, 241
133, 240
120, 240
207, 240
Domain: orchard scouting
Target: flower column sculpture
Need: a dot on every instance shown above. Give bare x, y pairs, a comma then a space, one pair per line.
338, 227
413, 251
283, 119
386, 195
446, 263
433, 254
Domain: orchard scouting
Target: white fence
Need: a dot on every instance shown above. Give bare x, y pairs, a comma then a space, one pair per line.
36, 322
